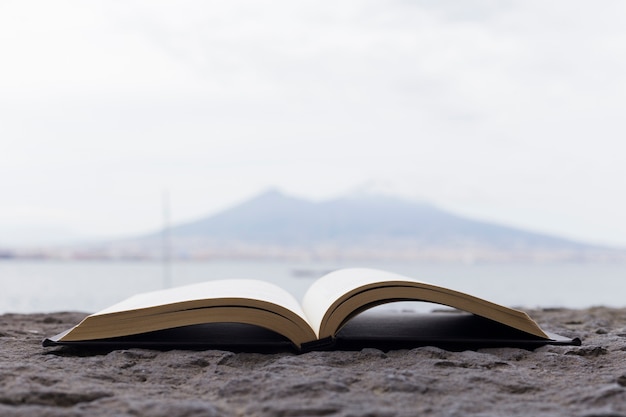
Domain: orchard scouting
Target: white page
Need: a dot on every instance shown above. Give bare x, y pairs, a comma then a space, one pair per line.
231, 288
328, 289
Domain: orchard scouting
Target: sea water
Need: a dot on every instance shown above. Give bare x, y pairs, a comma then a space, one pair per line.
89, 286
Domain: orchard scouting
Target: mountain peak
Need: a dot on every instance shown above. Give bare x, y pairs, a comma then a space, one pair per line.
380, 190
270, 193
271, 196
362, 219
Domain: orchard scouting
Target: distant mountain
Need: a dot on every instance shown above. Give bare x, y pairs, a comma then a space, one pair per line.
366, 220
360, 226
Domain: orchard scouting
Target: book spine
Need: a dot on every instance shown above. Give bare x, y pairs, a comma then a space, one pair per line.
321, 344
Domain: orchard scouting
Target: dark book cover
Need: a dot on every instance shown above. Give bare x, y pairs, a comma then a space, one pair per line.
382, 330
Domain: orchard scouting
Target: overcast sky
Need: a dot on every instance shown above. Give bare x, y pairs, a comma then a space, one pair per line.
510, 111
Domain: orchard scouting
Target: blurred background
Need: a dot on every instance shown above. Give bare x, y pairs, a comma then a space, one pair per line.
147, 143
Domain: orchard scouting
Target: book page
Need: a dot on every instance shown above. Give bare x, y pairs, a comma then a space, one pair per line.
329, 288
210, 290
336, 297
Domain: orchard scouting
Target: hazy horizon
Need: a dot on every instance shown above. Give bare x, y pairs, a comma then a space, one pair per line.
50, 237
508, 112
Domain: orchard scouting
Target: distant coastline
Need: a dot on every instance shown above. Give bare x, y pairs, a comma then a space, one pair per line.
242, 252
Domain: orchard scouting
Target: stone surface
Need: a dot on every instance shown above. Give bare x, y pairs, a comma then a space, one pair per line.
589, 380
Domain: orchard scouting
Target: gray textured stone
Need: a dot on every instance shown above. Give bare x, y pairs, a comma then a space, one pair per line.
551, 381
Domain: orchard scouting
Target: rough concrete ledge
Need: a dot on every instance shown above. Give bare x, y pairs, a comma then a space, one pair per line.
589, 380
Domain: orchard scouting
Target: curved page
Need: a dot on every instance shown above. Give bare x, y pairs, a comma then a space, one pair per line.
336, 297
331, 287
245, 301
167, 300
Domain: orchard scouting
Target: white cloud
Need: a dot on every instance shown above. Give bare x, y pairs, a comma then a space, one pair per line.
505, 110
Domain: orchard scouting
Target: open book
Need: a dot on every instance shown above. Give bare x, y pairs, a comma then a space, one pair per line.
258, 312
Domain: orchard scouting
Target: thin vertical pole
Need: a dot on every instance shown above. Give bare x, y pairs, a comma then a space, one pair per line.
167, 256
